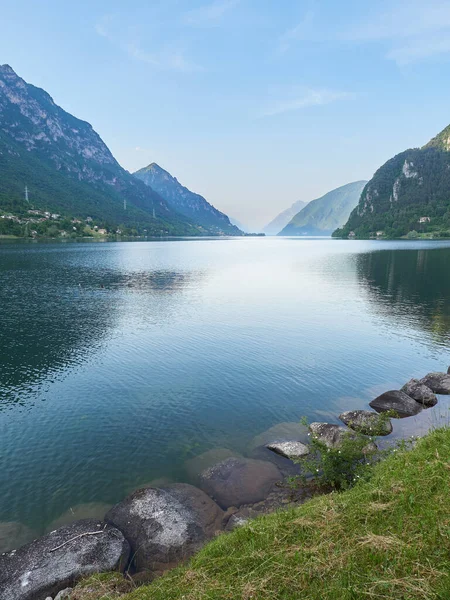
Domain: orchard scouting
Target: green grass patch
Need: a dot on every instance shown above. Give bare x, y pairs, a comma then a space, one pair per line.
385, 538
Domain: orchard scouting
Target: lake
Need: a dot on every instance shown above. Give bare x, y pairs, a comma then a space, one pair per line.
120, 361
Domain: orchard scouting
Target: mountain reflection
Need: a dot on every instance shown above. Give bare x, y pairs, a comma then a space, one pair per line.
411, 286
55, 314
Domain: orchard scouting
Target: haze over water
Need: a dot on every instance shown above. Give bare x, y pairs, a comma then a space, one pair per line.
122, 360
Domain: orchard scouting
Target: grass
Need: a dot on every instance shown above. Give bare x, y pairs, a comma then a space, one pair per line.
385, 538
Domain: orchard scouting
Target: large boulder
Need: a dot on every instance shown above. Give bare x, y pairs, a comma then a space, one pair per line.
237, 481
59, 559
329, 434
13, 535
420, 392
366, 422
287, 467
289, 449
439, 383
166, 525
402, 404
198, 464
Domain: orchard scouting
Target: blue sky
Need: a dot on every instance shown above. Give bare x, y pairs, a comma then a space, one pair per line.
253, 103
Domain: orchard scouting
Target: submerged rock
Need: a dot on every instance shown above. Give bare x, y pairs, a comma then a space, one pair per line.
290, 449
281, 432
238, 481
401, 403
439, 383
366, 422
195, 466
420, 392
287, 467
13, 535
166, 525
59, 559
89, 510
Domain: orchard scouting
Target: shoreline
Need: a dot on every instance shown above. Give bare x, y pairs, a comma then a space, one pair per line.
230, 492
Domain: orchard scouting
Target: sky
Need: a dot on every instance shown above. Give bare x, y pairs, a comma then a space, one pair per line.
254, 104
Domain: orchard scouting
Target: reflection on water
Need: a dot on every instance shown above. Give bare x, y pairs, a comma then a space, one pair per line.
411, 287
122, 362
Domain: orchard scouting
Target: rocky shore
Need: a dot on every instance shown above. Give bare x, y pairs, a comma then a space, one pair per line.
156, 528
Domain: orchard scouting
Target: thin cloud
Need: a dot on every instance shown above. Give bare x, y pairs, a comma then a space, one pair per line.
209, 14
414, 30
305, 98
169, 57
297, 33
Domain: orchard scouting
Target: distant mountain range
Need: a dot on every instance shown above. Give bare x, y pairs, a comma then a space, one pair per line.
68, 169
324, 215
281, 220
408, 195
187, 203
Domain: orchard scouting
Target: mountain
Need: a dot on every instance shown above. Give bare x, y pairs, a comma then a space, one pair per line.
408, 195
187, 203
280, 221
67, 167
241, 226
322, 216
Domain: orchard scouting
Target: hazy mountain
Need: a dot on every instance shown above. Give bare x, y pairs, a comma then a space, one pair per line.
67, 167
409, 193
322, 216
281, 220
184, 201
241, 226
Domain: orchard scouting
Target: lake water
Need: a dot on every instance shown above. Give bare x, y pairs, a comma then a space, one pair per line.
120, 361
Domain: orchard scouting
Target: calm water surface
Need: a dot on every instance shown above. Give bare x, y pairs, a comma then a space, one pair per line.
120, 361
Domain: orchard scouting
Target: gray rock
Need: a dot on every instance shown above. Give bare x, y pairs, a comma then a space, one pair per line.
448, 371
285, 465
13, 535
64, 594
280, 432
420, 392
166, 525
401, 403
59, 559
195, 466
366, 422
329, 434
238, 481
290, 449
439, 383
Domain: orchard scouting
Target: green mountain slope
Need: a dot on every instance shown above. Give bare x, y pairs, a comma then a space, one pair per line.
67, 167
409, 193
184, 201
322, 216
281, 220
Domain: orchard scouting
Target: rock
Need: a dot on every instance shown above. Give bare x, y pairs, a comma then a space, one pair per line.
166, 525
285, 465
401, 403
420, 392
237, 481
59, 559
194, 466
281, 432
64, 594
329, 434
236, 521
366, 422
13, 535
448, 371
439, 383
291, 449
89, 510
158, 482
